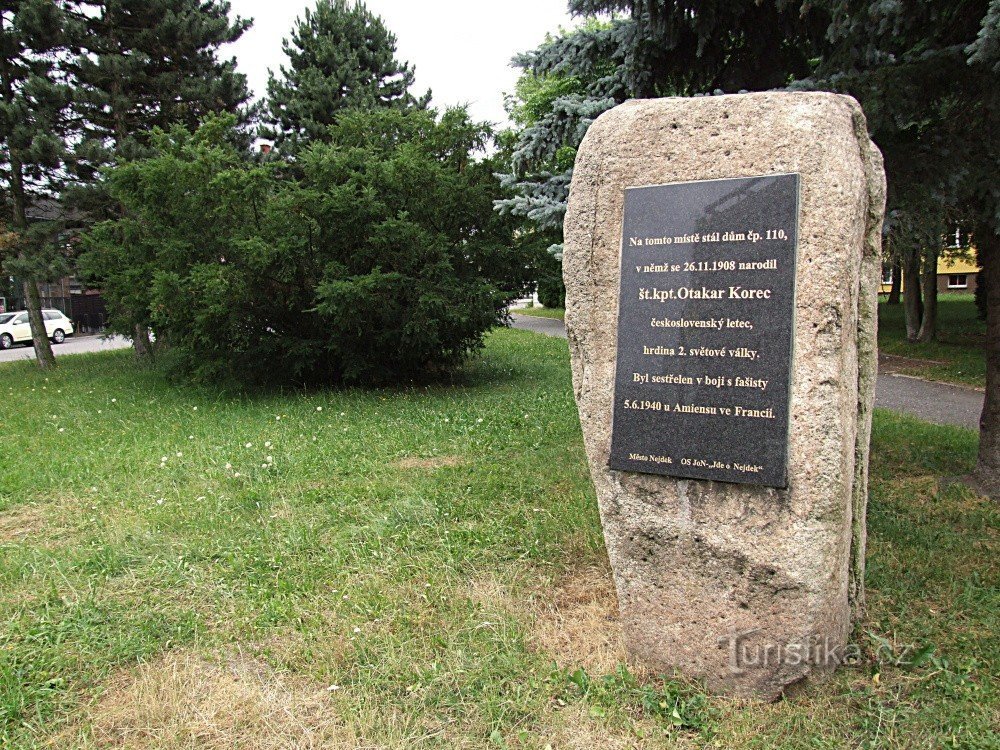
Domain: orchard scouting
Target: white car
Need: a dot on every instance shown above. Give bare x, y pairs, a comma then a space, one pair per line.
15, 329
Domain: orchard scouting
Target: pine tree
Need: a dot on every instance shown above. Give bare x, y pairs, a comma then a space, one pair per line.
147, 64
552, 110
926, 73
153, 63
907, 64
34, 98
341, 56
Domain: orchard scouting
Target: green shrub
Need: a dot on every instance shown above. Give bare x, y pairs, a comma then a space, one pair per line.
374, 257
551, 290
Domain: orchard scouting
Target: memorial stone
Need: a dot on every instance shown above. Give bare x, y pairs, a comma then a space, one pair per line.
722, 269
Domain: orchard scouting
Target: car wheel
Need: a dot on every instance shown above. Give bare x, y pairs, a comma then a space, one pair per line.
58, 336
6, 341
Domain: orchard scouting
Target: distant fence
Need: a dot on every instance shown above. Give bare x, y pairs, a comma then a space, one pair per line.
88, 312
58, 303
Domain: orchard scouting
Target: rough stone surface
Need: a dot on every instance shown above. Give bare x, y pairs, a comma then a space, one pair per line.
696, 562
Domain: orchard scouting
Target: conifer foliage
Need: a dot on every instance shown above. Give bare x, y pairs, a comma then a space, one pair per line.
378, 258
927, 74
142, 65
925, 71
341, 56
152, 63
648, 48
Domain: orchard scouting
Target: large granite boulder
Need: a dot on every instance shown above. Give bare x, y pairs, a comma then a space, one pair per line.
748, 588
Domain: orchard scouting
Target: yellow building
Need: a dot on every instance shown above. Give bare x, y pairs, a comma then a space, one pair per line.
954, 274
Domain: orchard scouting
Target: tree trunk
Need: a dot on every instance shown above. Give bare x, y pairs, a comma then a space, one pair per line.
912, 306
32, 300
987, 472
39, 337
928, 281
897, 283
141, 343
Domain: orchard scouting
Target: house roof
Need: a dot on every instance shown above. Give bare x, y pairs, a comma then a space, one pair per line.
51, 209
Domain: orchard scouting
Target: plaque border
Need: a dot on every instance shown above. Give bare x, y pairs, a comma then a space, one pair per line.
794, 326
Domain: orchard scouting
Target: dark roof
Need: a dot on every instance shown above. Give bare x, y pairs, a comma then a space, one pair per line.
50, 209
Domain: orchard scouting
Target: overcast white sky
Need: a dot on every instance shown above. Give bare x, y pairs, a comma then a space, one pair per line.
460, 49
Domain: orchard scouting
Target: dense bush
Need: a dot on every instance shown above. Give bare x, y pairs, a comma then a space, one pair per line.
372, 258
551, 290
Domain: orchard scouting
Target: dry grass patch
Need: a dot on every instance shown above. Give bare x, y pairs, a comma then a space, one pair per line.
571, 728
577, 622
21, 522
323, 646
59, 520
185, 702
432, 462
573, 618
46, 525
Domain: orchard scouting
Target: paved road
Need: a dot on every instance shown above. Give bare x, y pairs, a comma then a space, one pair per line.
73, 345
939, 403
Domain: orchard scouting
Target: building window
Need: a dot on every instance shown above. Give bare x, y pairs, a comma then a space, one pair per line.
887, 275
958, 281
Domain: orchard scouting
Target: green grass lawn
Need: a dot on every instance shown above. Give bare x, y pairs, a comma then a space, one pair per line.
958, 354
185, 568
542, 312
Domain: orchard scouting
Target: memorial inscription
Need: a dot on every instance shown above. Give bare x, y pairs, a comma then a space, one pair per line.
705, 321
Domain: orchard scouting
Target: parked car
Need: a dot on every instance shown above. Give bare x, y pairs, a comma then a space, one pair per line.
15, 329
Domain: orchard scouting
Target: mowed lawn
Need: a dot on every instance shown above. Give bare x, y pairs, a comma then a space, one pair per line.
958, 355
415, 568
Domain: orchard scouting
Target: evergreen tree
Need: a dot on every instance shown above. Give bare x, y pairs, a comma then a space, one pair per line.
153, 63
552, 110
34, 98
341, 56
377, 259
925, 72
907, 64
147, 64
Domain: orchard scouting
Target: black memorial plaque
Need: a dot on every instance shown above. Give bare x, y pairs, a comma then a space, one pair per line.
705, 324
